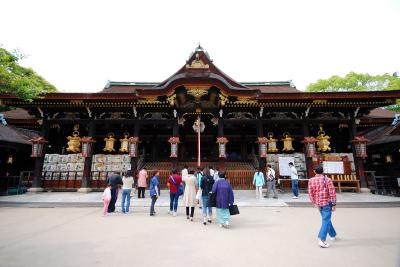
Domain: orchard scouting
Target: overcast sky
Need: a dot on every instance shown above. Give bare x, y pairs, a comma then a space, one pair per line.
80, 45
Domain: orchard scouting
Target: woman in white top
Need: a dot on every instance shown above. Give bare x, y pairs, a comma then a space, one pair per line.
127, 184
189, 195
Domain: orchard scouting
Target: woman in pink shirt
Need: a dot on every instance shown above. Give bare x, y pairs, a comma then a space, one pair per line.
142, 182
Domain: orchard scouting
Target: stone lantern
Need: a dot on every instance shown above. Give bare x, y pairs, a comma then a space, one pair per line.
174, 141
360, 144
222, 141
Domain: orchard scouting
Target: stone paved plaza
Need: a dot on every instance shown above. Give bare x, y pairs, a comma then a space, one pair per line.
259, 236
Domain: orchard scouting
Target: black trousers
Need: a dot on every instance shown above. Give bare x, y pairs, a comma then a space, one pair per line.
153, 202
191, 211
111, 206
141, 192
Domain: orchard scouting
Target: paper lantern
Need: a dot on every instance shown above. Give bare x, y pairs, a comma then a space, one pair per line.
222, 141
360, 143
174, 141
310, 146
37, 147
133, 146
262, 146
87, 146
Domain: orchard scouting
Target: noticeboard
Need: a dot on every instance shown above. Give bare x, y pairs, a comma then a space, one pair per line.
283, 162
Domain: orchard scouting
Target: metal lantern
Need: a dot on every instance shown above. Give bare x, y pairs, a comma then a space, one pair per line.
323, 141
360, 143
74, 141
287, 142
37, 147
310, 146
124, 144
174, 141
87, 146
222, 146
110, 140
133, 146
272, 143
262, 144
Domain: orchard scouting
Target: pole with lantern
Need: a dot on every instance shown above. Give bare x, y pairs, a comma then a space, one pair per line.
360, 144
37, 153
133, 153
310, 152
87, 153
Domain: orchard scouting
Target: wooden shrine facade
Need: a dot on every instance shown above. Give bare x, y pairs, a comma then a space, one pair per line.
242, 113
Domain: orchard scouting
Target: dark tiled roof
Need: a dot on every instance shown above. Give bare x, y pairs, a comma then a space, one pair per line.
17, 114
382, 135
381, 113
12, 134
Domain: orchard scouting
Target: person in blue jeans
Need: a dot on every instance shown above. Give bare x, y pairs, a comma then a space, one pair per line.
154, 192
206, 185
127, 184
174, 181
295, 180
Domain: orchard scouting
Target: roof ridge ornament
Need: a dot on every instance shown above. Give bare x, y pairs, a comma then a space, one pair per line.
197, 63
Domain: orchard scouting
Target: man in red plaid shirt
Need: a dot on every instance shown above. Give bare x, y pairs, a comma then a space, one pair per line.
323, 195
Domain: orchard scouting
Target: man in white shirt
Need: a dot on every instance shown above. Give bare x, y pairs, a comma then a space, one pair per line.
271, 181
295, 180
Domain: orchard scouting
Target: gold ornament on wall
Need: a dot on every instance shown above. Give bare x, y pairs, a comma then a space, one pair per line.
287, 142
74, 141
323, 141
110, 140
124, 143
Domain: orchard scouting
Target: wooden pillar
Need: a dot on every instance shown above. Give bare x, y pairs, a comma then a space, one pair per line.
358, 162
134, 160
221, 161
86, 184
37, 175
309, 161
260, 133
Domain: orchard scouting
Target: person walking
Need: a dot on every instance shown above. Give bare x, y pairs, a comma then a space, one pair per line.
106, 199
142, 182
271, 181
174, 182
199, 176
206, 186
154, 192
216, 174
114, 180
258, 182
322, 194
224, 198
295, 180
127, 184
184, 171
189, 196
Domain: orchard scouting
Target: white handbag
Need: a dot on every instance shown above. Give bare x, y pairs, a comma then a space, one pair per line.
198, 195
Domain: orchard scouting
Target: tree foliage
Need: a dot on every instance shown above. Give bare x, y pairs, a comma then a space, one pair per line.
357, 82
20, 81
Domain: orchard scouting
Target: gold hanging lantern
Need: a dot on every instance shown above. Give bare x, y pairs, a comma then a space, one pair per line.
323, 141
74, 141
124, 143
110, 140
287, 142
272, 143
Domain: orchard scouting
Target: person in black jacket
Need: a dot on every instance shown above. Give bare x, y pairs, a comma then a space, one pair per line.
114, 180
206, 186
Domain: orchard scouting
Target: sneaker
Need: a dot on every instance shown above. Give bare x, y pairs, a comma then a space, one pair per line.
174, 214
187, 217
323, 244
209, 221
191, 219
332, 238
170, 212
294, 197
205, 222
220, 226
227, 225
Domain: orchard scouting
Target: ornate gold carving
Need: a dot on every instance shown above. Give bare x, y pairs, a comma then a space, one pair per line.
171, 99
223, 99
197, 63
197, 91
74, 141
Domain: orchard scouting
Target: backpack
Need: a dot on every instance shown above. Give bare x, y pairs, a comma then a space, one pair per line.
180, 188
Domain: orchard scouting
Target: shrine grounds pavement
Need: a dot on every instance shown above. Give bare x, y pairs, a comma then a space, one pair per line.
265, 234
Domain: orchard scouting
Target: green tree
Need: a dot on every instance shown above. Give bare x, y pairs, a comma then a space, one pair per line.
356, 82
20, 81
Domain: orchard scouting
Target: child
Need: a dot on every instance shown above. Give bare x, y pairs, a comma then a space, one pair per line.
154, 192
106, 199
